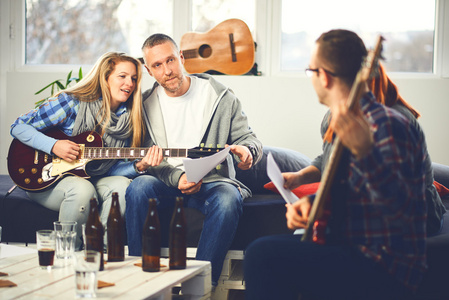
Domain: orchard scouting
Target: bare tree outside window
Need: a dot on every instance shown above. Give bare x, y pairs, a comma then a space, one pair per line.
80, 31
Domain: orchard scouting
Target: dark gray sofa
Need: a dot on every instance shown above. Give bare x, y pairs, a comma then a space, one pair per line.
263, 214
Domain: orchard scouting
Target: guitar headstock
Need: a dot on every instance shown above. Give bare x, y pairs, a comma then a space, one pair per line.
199, 152
371, 63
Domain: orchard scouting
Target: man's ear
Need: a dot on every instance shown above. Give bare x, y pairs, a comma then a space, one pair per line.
181, 57
325, 78
148, 70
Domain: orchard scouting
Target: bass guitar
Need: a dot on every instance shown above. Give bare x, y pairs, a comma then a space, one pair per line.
319, 213
34, 170
228, 48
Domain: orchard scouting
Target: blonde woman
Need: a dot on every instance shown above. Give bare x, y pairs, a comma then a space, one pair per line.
107, 100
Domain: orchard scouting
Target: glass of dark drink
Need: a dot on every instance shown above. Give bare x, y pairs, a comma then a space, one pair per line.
46, 245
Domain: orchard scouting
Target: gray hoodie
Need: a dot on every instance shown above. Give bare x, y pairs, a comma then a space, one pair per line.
224, 123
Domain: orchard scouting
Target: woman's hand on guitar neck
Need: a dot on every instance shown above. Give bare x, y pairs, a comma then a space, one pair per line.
298, 213
67, 150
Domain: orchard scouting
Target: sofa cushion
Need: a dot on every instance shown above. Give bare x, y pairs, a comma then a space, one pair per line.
287, 160
300, 191
19, 216
441, 189
441, 173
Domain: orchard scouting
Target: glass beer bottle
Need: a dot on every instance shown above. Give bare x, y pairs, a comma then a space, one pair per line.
151, 240
178, 237
115, 231
94, 232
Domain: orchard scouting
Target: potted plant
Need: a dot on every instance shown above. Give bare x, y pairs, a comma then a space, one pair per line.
57, 85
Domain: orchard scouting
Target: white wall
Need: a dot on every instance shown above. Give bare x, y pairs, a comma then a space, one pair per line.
283, 111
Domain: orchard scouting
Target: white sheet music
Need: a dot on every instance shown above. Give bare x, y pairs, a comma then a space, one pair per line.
197, 168
275, 175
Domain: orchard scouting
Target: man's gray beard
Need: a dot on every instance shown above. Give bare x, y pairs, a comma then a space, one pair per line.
181, 80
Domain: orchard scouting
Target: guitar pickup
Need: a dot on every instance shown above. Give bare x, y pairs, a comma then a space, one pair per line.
81, 154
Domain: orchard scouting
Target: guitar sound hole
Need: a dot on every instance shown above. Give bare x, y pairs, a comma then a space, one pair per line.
205, 51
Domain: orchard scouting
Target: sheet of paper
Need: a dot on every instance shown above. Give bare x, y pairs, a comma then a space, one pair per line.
274, 173
197, 168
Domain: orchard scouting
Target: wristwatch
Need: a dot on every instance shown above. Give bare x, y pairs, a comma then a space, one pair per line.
252, 150
137, 170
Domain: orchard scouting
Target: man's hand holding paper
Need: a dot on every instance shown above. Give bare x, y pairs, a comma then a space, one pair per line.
197, 168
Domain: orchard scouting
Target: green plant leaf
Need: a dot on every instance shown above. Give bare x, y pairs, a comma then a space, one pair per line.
39, 103
46, 87
57, 85
60, 86
72, 79
68, 78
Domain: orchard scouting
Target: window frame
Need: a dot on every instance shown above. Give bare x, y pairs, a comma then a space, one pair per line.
440, 60
267, 35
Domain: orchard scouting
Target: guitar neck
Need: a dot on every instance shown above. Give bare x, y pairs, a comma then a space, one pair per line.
191, 53
324, 189
122, 153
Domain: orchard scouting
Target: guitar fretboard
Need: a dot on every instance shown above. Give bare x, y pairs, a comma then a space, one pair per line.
122, 153
191, 53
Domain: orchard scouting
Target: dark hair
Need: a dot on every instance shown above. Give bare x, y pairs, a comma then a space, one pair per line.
342, 52
158, 39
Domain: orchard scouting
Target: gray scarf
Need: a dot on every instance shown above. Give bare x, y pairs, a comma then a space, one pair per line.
116, 135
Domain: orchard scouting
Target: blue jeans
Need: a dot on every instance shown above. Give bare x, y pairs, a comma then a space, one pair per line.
220, 203
282, 267
70, 196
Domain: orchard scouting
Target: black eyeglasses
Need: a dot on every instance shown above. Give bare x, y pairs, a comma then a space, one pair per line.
309, 72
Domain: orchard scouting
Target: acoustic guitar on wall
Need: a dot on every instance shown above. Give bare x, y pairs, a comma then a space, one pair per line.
227, 48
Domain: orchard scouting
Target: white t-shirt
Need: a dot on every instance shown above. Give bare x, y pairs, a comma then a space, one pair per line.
183, 116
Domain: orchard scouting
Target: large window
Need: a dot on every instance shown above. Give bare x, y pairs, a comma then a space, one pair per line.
408, 28
208, 13
80, 31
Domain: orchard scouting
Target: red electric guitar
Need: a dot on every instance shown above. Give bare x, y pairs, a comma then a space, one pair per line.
34, 170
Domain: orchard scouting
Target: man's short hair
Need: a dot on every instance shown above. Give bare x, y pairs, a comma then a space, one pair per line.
342, 53
158, 39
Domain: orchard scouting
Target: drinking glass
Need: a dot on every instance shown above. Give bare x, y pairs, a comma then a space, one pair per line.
87, 265
65, 232
45, 241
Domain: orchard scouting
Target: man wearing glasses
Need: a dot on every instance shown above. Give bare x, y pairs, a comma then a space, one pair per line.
375, 238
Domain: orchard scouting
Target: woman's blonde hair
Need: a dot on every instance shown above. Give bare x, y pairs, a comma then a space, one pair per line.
95, 85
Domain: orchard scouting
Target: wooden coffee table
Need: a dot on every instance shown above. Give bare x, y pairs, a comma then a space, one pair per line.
130, 281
